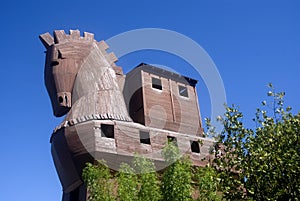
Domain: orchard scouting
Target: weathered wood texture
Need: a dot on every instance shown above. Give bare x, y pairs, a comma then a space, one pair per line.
165, 108
75, 145
179, 113
81, 76
84, 84
64, 163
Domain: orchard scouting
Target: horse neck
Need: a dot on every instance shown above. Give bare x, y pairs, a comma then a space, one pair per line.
95, 89
95, 74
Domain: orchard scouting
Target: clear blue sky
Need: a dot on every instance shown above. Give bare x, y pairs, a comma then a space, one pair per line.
251, 42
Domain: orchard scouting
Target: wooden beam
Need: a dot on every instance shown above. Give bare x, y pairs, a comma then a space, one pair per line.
47, 40
75, 34
102, 45
88, 36
111, 57
59, 36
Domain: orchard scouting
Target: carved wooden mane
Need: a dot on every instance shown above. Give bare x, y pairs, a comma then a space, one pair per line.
80, 78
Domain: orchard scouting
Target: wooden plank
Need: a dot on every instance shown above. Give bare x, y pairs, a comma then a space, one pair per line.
172, 100
88, 36
47, 40
102, 45
111, 57
75, 34
59, 36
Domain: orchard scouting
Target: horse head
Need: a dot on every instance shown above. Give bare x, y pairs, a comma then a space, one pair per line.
64, 57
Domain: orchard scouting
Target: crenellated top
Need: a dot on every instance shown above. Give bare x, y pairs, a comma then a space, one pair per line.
80, 47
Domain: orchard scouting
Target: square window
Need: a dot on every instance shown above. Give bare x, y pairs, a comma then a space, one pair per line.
156, 83
195, 148
173, 140
145, 137
183, 91
107, 131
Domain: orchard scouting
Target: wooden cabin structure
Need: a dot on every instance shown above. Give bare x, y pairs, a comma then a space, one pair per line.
112, 116
155, 96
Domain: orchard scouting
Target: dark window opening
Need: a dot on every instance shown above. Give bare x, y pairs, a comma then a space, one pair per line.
145, 137
173, 140
156, 83
107, 131
183, 91
195, 147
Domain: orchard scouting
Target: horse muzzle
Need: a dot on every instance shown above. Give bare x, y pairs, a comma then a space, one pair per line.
64, 99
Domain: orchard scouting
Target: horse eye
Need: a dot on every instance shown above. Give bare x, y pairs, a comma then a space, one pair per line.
54, 63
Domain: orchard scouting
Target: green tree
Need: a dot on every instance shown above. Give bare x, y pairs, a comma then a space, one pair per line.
177, 178
127, 183
207, 180
261, 163
148, 179
99, 183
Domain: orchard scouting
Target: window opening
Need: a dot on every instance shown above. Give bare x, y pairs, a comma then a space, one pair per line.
156, 83
173, 140
145, 137
183, 91
107, 131
195, 148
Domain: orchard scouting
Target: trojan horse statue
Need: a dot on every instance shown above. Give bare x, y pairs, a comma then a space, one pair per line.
86, 86
81, 80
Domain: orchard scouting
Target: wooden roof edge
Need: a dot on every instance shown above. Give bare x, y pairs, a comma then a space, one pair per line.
165, 73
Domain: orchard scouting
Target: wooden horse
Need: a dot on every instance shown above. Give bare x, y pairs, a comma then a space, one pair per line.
86, 86
82, 84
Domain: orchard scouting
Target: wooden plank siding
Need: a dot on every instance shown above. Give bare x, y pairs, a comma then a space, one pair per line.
86, 138
167, 106
73, 146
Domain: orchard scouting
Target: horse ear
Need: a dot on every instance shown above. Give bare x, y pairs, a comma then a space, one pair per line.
47, 40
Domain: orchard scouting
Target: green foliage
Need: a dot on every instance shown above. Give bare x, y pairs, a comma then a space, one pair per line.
208, 184
148, 179
261, 163
98, 180
177, 178
146, 186
127, 183
171, 153
250, 164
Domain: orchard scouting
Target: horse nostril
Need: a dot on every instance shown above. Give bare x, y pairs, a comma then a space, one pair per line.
60, 99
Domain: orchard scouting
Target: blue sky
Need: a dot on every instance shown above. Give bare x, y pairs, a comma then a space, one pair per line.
252, 43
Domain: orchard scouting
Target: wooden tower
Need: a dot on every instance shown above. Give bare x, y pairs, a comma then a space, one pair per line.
156, 96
